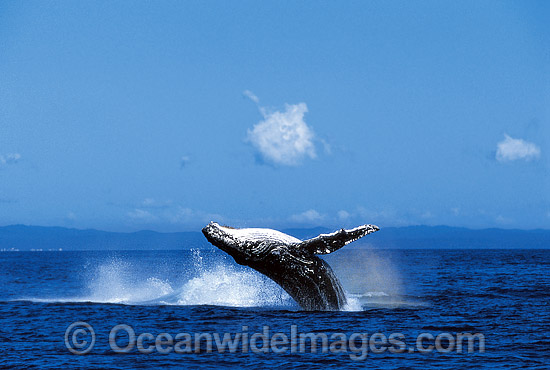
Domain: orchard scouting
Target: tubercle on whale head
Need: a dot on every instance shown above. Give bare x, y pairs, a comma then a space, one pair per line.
215, 235
223, 240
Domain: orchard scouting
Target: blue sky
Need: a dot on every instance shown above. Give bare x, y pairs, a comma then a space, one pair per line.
165, 115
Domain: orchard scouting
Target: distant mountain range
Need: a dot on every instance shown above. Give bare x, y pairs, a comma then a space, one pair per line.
24, 238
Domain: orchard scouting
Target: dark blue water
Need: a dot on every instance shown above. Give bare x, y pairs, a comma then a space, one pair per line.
502, 294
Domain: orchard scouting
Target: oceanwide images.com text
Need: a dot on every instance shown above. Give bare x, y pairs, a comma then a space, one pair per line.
80, 339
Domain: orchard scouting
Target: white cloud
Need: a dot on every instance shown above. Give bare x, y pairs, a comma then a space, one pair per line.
250, 95
343, 215
9, 158
140, 215
308, 216
148, 202
153, 203
427, 215
503, 220
326, 146
185, 215
181, 215
153, 212
283, 137
511, 149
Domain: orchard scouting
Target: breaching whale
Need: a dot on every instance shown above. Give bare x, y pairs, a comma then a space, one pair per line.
290, 262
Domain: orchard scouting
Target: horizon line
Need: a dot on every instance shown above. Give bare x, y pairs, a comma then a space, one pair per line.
285, 228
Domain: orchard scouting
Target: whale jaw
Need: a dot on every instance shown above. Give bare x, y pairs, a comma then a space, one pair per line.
216, 236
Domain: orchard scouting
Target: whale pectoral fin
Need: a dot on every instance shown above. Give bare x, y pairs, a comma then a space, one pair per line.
328, 243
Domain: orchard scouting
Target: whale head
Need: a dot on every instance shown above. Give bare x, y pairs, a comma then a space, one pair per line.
246, 245
221, 237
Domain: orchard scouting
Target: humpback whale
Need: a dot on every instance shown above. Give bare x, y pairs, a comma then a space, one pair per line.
290, 262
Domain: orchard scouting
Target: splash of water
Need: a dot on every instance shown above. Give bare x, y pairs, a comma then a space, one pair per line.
226, 287
369, 282
116, 282
221, 284
373, 280
353, 304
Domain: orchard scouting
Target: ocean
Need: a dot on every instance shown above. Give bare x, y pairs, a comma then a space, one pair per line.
407, 309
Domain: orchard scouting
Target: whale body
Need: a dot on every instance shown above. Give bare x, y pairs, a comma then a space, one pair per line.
290, 262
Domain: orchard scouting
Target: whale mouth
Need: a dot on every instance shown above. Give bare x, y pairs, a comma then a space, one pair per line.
215, 235
221, 239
